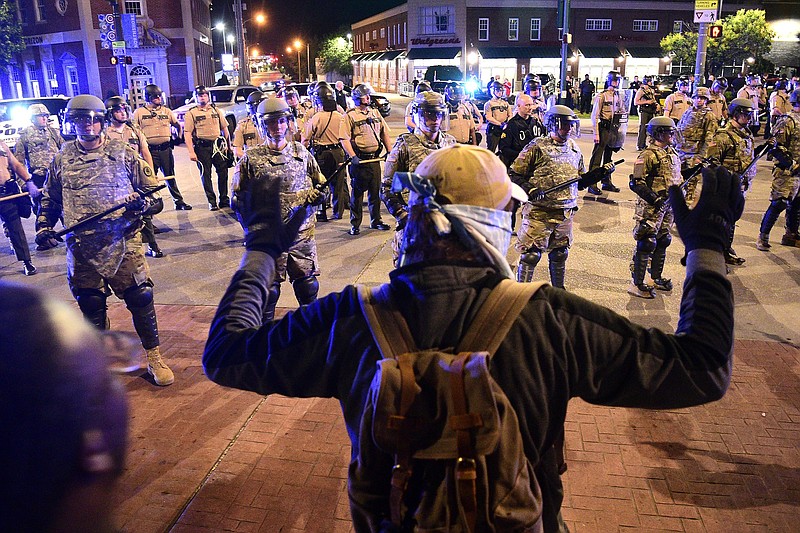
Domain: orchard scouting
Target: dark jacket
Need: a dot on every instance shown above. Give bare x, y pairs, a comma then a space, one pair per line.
516, 136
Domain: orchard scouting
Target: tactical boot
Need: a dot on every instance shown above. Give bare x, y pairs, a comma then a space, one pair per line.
790, 239
641, 290
732, 259
638, 287
763, 242
157, 368
662, 284
557, 273
154, 251
594, 190
28, 269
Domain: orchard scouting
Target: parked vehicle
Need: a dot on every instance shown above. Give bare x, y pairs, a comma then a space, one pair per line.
14, 115
379, 102
231, 100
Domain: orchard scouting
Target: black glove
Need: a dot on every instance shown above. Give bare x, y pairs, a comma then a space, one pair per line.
689, 172
258, 208
46, 239
763, 149
720, 205
536, 194
659, 203
134, 202
402, 221
783, 159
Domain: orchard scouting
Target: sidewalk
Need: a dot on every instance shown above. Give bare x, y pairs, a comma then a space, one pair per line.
205, 458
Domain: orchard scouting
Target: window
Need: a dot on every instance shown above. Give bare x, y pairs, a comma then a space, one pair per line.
645, 25
536, 29
483, 29
39, 10
436, 20
374, 35
405, 39
367, 36
50, 76
383, 33
133, 7
513, 29
598, 24
72, 80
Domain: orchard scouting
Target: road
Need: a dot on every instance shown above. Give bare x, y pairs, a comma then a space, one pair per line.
203, 248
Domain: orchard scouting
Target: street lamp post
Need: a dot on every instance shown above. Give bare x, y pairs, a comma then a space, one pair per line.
221, 27
298, 45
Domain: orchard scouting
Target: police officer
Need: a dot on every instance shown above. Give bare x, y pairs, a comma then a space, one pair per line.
716, 100
733, 146
156, 122
299, 112
655, 170
462, 125
609, 123
779, 104
697, 128
282, 159
497, 112
207, 139
647, 103
523, 127
753, 92
678, 102
10, 210
409, 150
119, 127
37, 145
547, 220
411, 123
363, 134
246, 134
86, 177
785, 182
321, 136
533, 88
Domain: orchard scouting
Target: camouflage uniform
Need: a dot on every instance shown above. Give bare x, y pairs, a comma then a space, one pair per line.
676, 104
298, 173
246, 135
407, 153
547, 224
785, 186
697, 127
655, 170
36, 147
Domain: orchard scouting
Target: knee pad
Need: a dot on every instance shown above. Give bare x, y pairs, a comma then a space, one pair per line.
306, 289
646, 245
138, 296
92, 303
531, 258
558, 255
663, 241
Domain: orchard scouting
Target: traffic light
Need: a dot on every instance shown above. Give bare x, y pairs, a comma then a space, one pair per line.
715, 32
128, 60
114, 60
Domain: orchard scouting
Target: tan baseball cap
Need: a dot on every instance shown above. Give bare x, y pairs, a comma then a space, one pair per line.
470, 175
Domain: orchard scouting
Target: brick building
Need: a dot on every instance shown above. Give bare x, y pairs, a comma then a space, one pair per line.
509, 38
64, 53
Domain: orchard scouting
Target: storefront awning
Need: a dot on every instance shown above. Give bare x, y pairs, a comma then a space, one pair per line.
357, 57
449, 52
391, 55
520, 52
600, 52
644, 52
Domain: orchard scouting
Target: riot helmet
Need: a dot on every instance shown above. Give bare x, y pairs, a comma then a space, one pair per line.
782, 84
496, 87
684, 85
325, 98
720, 85
530, 86
275, 120
661, 129
560, 119
794, 98
454, 94
741, 107
647, 79
82, 114
361, 91
753, 79
200, 89
422, 87
531, 77
290, 92
312, 89
253, 99
151, 92
431, 113
115, 104
613, 76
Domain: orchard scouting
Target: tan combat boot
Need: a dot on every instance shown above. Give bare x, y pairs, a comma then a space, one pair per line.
763, 242
157, 368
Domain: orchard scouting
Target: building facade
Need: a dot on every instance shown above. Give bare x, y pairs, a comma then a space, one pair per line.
506, 39
65, 53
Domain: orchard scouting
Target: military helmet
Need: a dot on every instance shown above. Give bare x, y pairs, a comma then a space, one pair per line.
454, 93
660, 125
782, 84
422, 87
794, 98
701, 92
720, 84
35, 110
151, 91
613, 75
361, 90
739, 106
557, 115
116, 103
273, 107
200, 89
253, 99
83, 105
429, 101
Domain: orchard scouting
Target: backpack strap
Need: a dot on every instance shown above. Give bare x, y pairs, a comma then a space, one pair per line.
388, 327
496, 316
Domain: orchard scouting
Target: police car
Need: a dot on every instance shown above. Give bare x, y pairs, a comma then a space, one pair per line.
14, 116
231, 100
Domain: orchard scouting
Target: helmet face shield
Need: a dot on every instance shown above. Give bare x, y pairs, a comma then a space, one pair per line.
562, 122
276, 126
84, 124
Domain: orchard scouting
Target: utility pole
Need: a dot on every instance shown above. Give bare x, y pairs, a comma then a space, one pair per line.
566, 38
123, 77
702, 48
244, 68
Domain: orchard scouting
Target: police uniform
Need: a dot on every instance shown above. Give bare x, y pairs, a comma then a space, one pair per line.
36, 147
298, 173
363, 129
497, 110
547, 223
778, 105
462, 124
676, 104
648, 107
755, 95
407, 153
156, 123
655, 170
718, 105
322, 136
11, 210
203, 126
697, 127
246, 135
784, 194
607, 114
477, 118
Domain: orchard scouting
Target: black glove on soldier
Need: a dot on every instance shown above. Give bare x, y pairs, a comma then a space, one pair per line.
721, 204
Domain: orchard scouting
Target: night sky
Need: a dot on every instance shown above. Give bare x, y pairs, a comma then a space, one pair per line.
303, 19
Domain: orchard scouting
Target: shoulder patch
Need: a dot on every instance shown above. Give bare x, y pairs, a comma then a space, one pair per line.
147, 171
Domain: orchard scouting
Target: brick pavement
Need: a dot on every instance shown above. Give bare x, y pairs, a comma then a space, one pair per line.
205, 458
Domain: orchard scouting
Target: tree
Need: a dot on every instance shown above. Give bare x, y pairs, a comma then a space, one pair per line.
334, 54
744, 34
10, 34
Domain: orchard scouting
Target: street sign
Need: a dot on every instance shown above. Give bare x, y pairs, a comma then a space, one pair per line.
705, 16
705, 10
118, 48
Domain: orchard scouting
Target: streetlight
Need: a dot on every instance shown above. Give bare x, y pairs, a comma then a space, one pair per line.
297, 46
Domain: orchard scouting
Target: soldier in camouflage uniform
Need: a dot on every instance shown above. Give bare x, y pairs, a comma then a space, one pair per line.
733, 147
409, 150
656, 169
716, 100
547, 220
86, 177
37, 145
246, 134
281, 158
697, 128
785, 182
